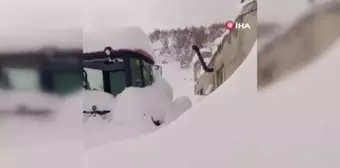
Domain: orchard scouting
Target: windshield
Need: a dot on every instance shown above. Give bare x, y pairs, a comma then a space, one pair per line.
61, 81
114, 77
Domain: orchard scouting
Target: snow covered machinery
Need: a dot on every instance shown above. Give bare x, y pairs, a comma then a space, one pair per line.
118, 69
112, 62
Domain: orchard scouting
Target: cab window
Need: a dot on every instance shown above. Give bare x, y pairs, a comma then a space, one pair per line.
93, 79
136, 73
117, 82
141, 73
23, 79
66, 81
147, 73
33, 79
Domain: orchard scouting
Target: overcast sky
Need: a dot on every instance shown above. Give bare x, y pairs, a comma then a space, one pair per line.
31, 15
151, 14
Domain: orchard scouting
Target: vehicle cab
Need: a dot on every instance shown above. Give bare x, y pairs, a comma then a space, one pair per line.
33, 81
113, 61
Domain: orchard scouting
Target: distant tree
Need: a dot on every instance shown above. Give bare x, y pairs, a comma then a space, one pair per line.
177, 42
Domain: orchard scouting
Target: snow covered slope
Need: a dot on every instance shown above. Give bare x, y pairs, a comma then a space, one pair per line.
180, 79
298, 118
52, 142
200, 138
291, 124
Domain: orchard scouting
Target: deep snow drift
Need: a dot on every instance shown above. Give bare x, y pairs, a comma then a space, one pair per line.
298, 122
291, 124
52, 142
211, 134
132, 114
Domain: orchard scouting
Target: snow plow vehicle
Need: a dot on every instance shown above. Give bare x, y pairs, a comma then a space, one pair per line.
32, 83
112, 71
120, 68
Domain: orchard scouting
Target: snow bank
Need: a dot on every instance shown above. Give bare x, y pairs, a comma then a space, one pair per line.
180, 105
200, 138
148, 100
181, 80
291, 124
53, 142
51, 155
125, 38
132, 114
298, 118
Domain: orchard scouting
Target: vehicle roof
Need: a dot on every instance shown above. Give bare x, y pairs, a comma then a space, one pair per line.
128, 38
20, 42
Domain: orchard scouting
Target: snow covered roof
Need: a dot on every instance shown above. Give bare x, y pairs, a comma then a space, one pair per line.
132, 38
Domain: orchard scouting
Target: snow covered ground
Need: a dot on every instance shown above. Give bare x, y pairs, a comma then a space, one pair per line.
298, 117
182, 80
211, 134
37, 143
291, 124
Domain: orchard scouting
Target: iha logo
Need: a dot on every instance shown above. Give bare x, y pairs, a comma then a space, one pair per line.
230, 25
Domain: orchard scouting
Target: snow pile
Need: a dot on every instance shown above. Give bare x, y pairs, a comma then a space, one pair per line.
287, 125
181, 80
180, 105
200, 138
27, 130
158, 95
52, 142
299, 117
11, 100
133, 114
52, 155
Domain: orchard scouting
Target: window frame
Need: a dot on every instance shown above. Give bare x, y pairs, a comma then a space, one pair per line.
127, 57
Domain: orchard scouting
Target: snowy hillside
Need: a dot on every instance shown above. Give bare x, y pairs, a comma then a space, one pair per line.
175, 44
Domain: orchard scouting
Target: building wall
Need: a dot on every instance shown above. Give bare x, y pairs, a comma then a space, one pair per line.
234, 49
